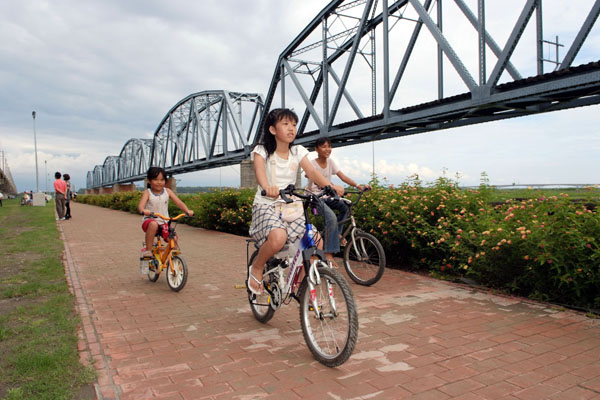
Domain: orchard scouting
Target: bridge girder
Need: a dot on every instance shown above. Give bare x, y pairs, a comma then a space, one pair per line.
201, 130
351, 47
349, 75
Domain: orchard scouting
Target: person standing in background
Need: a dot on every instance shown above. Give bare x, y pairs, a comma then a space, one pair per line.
60, 188
68, 195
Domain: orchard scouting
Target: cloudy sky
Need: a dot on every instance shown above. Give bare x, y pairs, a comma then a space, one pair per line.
101, 72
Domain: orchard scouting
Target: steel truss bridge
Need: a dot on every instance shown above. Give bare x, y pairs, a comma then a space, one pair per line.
366, 70
7, 183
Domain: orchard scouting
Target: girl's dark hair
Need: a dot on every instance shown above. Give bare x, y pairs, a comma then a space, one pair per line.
66, 177
322, 140
153, 173
274, 116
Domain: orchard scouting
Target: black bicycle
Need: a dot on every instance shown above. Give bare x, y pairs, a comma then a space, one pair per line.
364, 257
327, 311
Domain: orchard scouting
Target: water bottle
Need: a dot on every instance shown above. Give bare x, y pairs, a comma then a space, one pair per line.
308, 240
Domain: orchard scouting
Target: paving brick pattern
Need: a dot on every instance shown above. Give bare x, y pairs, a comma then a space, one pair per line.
419, 338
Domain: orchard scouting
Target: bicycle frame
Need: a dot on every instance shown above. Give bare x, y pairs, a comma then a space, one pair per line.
312, 276
163, 252
352, 227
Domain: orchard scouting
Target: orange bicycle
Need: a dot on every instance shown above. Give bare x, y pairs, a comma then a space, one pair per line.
166, 256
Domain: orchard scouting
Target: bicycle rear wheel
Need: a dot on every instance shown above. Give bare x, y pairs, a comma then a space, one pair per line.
332, 335
177, 277
364, 258
259, 304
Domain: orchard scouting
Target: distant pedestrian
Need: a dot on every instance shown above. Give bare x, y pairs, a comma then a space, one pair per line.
69, 193
60, 188
1, 195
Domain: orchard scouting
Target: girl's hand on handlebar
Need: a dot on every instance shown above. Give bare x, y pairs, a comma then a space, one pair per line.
364, 187
190, 213
272, 191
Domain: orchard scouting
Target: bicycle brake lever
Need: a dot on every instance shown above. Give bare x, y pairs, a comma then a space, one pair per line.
330, 192
283, 193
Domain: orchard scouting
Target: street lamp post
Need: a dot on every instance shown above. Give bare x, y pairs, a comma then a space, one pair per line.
37, 177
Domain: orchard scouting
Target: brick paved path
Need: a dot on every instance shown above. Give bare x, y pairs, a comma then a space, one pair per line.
419, 338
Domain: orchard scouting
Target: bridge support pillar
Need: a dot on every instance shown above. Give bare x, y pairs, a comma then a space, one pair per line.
106, 190
172, 184
248, 178
120, 187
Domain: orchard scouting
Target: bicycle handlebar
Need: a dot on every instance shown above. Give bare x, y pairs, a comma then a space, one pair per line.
168, 218
291, 190
358, 192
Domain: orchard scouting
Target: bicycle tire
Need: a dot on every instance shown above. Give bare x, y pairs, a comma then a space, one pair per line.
332, 337
368, 268
262, 313
177, 278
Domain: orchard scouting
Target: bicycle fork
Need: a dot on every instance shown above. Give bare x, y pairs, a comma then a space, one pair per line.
358, 248
314, 279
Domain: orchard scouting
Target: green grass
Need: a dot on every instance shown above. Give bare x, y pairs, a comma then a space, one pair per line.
38, 325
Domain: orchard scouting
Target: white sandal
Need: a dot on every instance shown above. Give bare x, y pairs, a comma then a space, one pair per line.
250, 276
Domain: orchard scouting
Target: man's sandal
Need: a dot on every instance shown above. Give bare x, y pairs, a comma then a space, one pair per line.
250, 276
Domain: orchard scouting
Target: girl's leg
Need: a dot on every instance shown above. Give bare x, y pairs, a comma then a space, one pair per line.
150, 233
275, 241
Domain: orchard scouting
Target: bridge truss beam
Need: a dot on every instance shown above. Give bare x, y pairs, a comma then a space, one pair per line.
366, 46
366, 70
204, 130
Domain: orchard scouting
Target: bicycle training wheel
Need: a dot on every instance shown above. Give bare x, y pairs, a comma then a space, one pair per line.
153, 273
177, 278
259, 304
364, 259
330, 336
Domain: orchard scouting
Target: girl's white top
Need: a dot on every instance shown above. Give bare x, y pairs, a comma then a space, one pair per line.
330, 169
158, 203
280, 172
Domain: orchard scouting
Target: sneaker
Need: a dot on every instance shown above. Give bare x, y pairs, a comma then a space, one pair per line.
62, 219
146, 254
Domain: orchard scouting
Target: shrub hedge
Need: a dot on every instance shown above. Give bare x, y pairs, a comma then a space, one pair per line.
545, 248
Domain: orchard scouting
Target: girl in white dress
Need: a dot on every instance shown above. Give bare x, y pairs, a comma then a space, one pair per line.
276, 162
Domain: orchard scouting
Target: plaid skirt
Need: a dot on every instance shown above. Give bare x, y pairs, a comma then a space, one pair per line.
265, 219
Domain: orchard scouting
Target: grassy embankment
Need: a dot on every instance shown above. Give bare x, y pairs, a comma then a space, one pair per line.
38, 324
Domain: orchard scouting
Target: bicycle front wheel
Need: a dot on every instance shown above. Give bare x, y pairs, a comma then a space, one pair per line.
332, 330
364, 258
259, 304
177, 277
